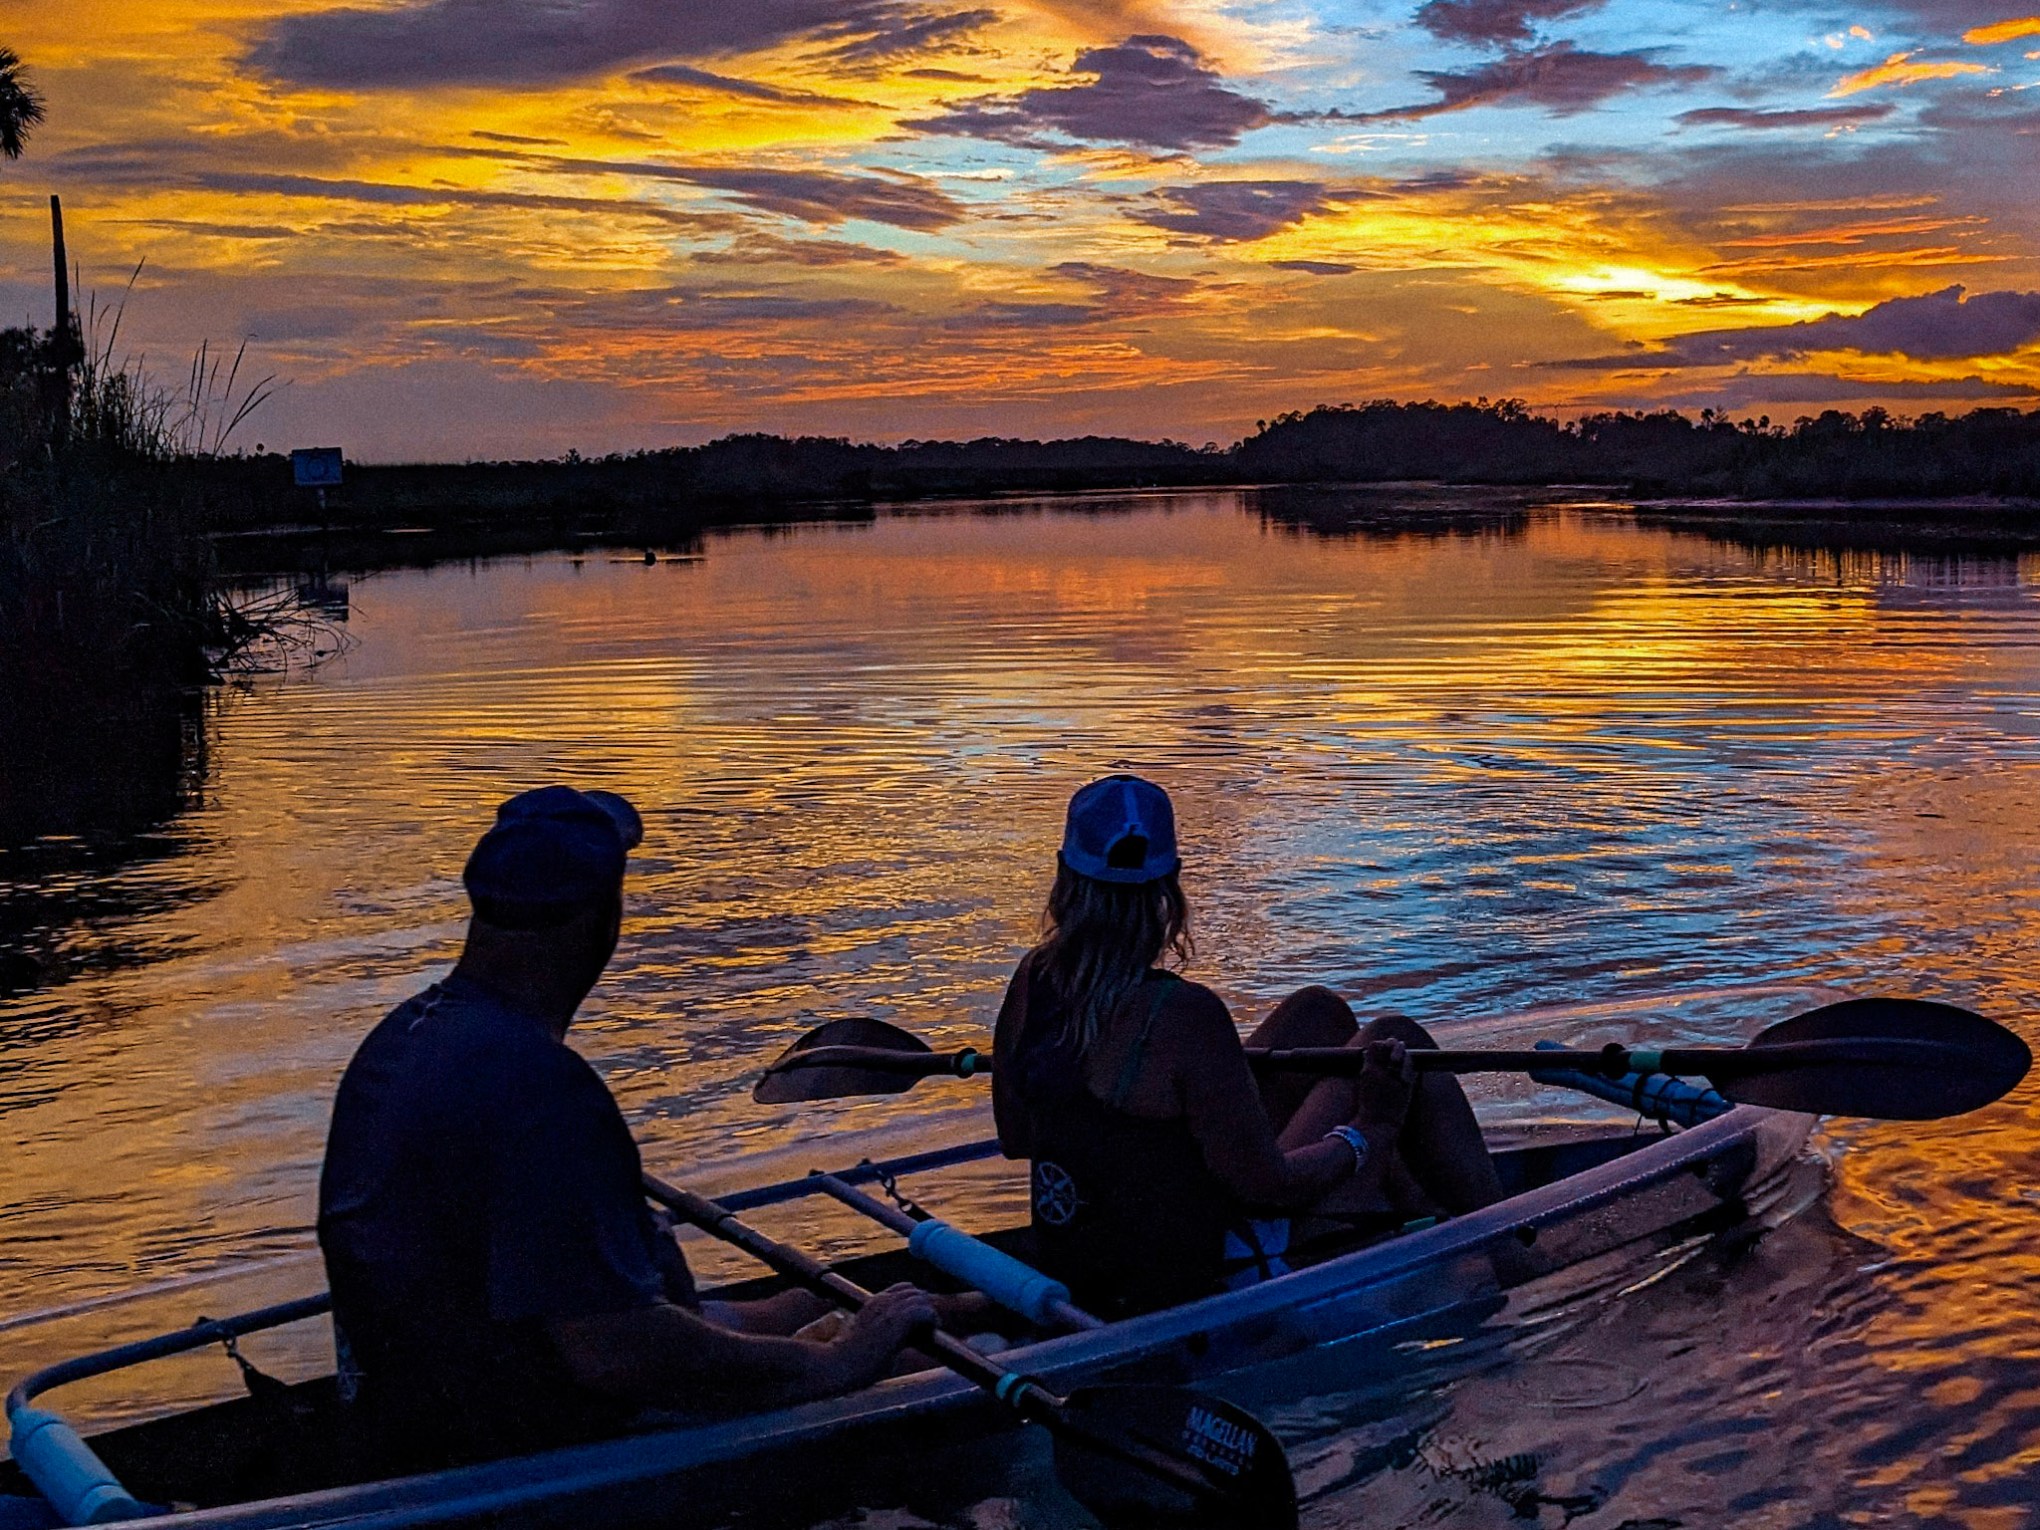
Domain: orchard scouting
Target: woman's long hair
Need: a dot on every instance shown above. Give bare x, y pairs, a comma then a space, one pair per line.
1100, 941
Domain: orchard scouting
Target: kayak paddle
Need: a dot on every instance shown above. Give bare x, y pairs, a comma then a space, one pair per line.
1893, 1059
1142, 1453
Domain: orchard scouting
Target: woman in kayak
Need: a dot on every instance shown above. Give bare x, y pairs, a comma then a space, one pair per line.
1162, 1170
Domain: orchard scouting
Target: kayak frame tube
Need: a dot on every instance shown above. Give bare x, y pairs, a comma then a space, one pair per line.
79, 1486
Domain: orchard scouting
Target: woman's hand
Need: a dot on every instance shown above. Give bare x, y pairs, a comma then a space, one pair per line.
1383, 1089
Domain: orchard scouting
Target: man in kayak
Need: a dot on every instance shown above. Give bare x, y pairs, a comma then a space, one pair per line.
499, 1284
1161, 1170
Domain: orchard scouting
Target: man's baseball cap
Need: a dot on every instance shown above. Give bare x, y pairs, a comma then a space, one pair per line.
1121, 829
552, 852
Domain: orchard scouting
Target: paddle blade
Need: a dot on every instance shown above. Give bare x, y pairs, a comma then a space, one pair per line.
786, 1086
1156, 1455
1976, 1063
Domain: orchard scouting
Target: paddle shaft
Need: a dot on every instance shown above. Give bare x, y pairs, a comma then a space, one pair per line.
1026, 1396
1612, 1061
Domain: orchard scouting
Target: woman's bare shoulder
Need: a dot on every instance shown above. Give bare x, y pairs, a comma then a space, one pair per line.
1198, 1017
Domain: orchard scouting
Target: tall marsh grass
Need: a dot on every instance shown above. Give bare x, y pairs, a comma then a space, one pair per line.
111, 614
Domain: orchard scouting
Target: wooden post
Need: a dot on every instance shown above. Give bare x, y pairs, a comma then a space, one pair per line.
63, 266
67, 345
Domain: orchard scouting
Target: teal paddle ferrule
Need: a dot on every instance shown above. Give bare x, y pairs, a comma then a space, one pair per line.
1006, 1280
1657, 1096
967, 1062
1646, 1060
1009, 1383
78, 1485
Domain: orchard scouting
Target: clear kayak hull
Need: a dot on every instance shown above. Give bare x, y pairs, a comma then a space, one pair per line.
1577, 1196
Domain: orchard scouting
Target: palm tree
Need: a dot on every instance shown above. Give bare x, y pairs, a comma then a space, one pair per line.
21, 106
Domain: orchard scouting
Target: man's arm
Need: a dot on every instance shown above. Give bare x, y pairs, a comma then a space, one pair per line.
780, 1314
666, 1356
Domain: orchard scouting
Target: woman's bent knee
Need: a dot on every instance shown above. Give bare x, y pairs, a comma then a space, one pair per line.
1397, 1028
1310, 1017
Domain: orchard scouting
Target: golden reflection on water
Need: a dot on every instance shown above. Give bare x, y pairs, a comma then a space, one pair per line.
1463, 775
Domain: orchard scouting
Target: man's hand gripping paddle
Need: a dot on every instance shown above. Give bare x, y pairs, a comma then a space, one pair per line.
1130, 1454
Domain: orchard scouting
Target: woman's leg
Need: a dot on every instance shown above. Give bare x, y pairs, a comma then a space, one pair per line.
1440, 1147
1310, 1017
1441, 1144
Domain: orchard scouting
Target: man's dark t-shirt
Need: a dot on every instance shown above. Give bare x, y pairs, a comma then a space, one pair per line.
479, 1181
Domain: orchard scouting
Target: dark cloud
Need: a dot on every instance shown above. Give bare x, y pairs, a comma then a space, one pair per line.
542, 42
394, 194
719, 310
1495, 23
1117, 294
1233, 212
518, 138
1127, 291
814, 196
1150, 91
771, 249
1561, 78
1945, 17
1721, 300
1770, 120
216, 230
1938, 326
687, 76
2003, 117
914, 33
304, 321
1756, 388
1017, 315
1315, 267
824, 197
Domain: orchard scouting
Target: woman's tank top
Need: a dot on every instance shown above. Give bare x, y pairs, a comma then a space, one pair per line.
1125, 1212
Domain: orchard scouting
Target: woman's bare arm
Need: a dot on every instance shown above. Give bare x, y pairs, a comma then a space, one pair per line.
1219, 1100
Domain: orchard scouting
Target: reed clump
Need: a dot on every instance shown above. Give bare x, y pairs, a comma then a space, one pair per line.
111, 615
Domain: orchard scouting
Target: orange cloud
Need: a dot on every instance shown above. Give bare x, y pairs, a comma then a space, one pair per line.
2003, 31
1899, 69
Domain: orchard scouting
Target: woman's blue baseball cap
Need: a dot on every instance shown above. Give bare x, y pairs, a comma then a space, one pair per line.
551, 853
1121, 829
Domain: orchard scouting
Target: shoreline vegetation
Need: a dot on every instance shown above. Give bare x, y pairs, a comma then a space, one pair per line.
1872, 477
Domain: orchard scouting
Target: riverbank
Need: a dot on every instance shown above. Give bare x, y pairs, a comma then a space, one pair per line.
1971, 524
1860, 470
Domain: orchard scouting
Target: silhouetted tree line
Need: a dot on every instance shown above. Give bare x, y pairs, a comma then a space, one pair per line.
666, 494
1872, 455
663, 495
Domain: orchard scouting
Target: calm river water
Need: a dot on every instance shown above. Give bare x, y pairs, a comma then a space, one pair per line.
1538, 774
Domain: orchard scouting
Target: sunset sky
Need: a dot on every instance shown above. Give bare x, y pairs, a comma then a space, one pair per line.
477, 228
